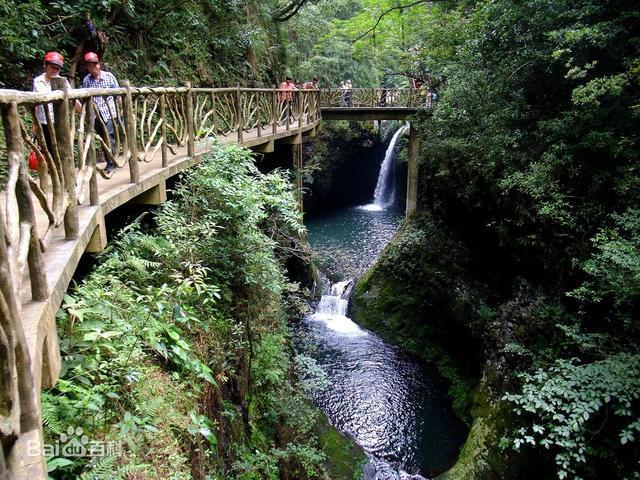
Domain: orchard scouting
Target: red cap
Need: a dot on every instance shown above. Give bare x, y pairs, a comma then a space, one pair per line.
91, 57
55, 58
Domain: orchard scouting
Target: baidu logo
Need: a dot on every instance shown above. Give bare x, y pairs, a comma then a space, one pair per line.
74, 443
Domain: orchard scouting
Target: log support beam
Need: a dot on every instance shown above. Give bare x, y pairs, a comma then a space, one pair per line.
154, 196
292, 140
298, 163
268, 147
98, 240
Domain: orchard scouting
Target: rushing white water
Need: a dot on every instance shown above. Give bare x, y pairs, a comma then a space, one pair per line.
332, 309
372, 383
385, 191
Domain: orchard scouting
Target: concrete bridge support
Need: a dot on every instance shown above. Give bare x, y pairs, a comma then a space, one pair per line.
298, 162
412, 171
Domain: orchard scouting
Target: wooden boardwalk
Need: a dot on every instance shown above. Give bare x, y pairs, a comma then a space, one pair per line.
48, 221
62, 256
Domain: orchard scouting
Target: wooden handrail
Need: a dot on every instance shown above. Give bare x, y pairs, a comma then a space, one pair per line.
124, 125
127, 124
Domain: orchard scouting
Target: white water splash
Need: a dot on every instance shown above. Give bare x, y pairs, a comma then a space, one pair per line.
332, 310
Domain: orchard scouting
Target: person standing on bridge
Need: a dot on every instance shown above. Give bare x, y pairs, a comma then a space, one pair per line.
312, 85
53, 63
285, 96
106, 107
348, 93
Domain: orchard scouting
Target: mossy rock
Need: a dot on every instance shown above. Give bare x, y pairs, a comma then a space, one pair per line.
482, 457
414, 297
345, 458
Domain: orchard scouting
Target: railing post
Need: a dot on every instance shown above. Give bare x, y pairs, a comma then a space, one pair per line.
163, 129
132, 144
373, 97
301, 99
63, 137
288, 100
191, 134
258, 122
276, 111
15, 148
94, 199
239, 113
213, 113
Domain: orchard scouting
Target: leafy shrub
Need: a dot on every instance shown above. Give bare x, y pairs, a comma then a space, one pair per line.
177, 344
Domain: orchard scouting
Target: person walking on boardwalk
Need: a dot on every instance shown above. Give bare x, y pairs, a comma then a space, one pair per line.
348, 93
285, 96
312, 85
105, 125
53, 63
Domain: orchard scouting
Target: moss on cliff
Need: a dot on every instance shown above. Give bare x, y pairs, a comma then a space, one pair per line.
416, 296
481, 458
345, 458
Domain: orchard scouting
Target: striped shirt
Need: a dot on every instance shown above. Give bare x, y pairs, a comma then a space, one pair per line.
107, 80
42, 85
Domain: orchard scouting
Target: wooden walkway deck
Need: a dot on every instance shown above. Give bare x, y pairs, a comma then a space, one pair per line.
159, 133
62, 256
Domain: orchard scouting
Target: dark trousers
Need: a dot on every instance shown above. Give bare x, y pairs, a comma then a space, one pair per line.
106, 131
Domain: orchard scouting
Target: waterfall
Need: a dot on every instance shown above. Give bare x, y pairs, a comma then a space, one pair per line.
385, 191
332, 309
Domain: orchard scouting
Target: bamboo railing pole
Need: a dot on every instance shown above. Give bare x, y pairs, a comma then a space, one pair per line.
163, 129
63, 137
239, 113
213, 113
15, 147
191, 135
130, 116
288, 100
94, 198
43, 168
301, 99
259, 123
275, 111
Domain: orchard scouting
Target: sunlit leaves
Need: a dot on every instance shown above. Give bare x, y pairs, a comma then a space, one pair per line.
574, 401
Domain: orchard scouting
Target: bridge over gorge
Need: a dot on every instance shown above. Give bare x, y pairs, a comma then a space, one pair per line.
48, 220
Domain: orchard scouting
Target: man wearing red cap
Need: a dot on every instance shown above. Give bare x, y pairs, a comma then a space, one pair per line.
53, 63
107, 108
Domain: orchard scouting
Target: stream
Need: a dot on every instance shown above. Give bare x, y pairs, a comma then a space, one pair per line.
392, 404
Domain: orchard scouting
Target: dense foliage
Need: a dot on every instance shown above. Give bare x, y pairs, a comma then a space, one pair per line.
330, 40
177, 347
147, 41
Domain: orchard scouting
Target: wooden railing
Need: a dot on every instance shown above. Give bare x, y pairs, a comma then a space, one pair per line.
150, 124
374, 98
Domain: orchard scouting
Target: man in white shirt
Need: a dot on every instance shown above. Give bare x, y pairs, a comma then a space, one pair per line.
53, 63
